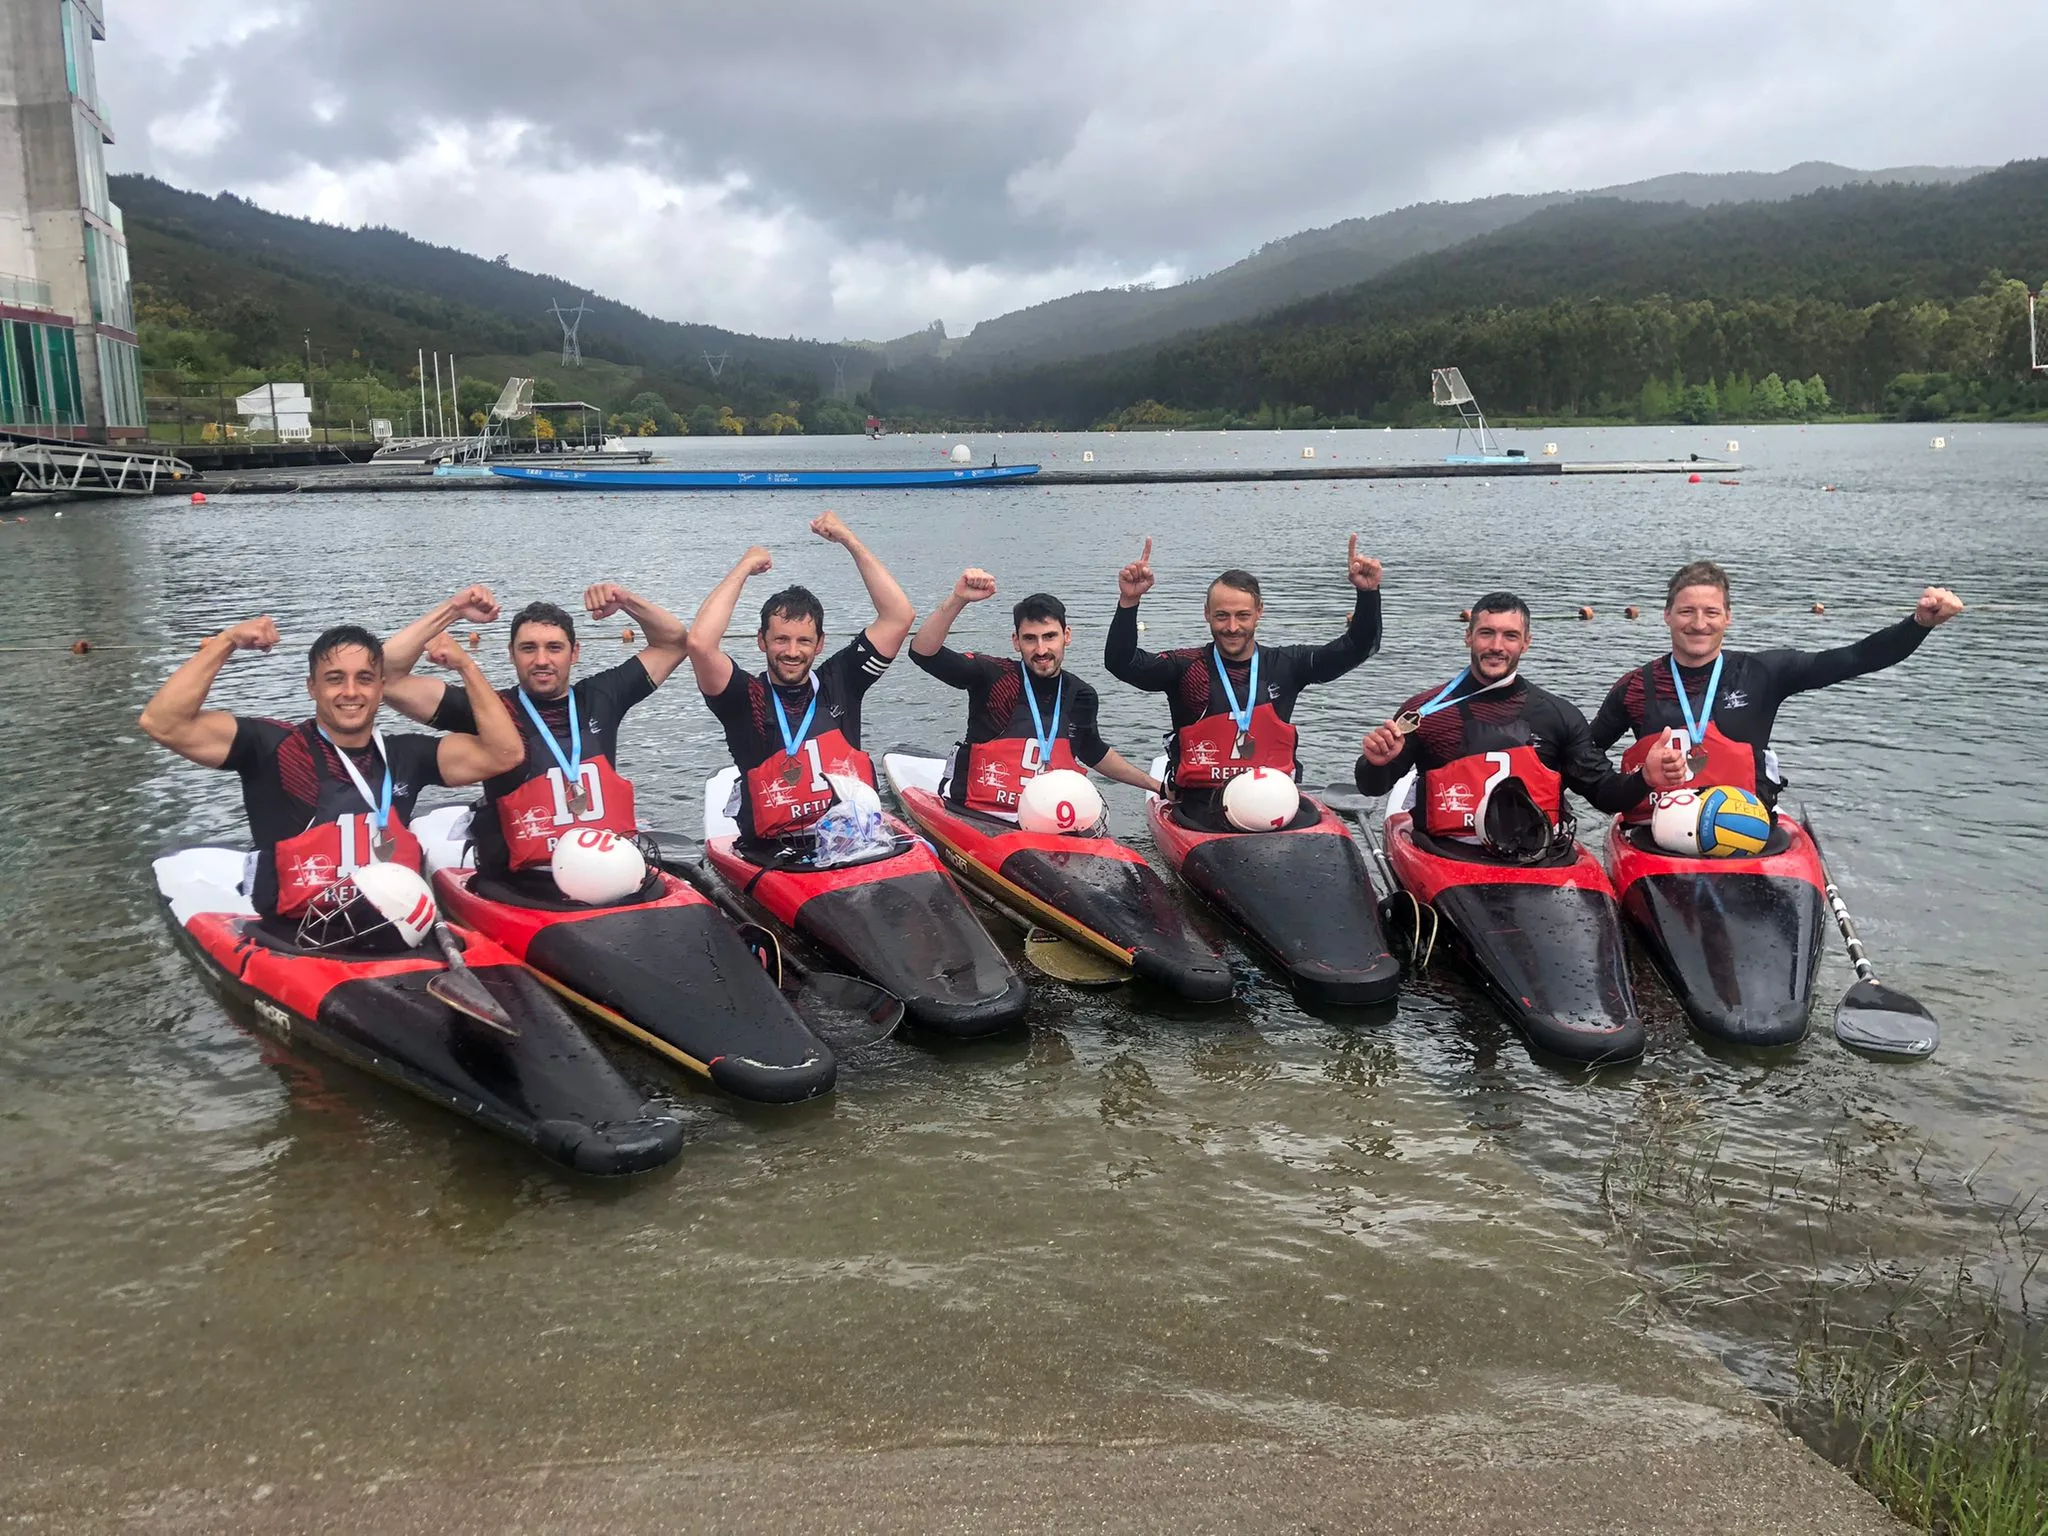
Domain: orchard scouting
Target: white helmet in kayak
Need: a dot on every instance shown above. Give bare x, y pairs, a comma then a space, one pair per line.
597, 867
1675, 821
1059, 801
1263, 800
374, 901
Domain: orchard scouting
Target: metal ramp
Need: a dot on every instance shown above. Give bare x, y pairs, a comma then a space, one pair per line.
83, 469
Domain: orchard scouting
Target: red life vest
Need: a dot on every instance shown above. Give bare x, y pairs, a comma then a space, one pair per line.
536, 814
1728, 762
1451, 796
786, 794
322, 854
998, 770
1205, 755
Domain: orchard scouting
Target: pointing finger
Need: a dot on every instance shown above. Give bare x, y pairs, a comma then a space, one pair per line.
1354, 546
1146, 557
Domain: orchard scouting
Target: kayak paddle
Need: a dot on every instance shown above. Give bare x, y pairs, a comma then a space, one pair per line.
1054, 955
459, 989
1347, 800
1872, 1017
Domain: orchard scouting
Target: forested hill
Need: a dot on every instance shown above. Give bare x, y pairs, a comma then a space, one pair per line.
1582, 306
264, 279
1342, 255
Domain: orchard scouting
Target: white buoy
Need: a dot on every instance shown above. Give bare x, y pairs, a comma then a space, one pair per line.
1550, 450
962, 454
1308, 453
1088, 456
1734, 446
1939, 442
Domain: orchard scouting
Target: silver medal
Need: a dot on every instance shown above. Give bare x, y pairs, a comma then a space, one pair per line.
1696, 760
579, 801
1244, 748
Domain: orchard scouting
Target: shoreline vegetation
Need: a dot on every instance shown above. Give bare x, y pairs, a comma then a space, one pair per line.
1925, 1375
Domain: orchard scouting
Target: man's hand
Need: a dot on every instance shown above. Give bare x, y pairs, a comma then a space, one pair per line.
443, 652
253, 634
757, 561
829, 525
1937, 606
475, 604
1365, 571
1665, 767
1382, 745
1135, 579
975, 585
603, 599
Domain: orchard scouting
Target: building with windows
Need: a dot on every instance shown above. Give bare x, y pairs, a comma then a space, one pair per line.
69, 363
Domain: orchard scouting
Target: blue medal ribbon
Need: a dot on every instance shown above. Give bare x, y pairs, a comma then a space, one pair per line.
1045, 737
1443, 700
790, 744
1242, 716
572, 765
1696, 729
379, 808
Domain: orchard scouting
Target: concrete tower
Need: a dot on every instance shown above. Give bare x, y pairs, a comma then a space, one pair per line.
69, 364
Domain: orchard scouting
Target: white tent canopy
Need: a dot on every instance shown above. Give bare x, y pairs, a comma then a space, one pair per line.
285, 409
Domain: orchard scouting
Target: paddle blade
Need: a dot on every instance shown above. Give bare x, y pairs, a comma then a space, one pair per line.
848, 1014
1344, 799
1876, 1019
461, 991
1052, 955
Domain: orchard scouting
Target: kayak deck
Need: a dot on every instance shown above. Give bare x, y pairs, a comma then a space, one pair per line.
1545, 941
1738, 940
1301, 895
548, 1087
1093, 890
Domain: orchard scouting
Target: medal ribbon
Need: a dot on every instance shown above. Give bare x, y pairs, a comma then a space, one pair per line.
572, 765
380, 809
1243, 716
1045, 737
1697, 729
790, 743
1443, 700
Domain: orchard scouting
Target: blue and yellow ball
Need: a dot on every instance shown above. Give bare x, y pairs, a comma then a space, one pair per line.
1733, 823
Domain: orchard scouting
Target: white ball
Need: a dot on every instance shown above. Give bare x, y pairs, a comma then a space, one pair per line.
962, 454
1263, 800
400, 897
1059, 801
598, 867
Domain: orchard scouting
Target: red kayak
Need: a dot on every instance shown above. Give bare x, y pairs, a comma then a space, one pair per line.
897, 919
1738, 939
1092, 890
1545, 940
545, 1086
1302, 896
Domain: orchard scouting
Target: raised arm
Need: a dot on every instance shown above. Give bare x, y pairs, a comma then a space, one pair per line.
668, 642
1800, 671
1361, 637
975, 585
417, 698
178, 717
893, 611
496, 747
705, 643
1120, 654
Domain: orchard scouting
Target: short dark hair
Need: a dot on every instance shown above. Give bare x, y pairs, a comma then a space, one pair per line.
542, 613
1240, 581
340, 638
1036, 609
1695, 573
793, 603
1501, 602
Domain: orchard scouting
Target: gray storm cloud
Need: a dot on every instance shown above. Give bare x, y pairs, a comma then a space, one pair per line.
827, 169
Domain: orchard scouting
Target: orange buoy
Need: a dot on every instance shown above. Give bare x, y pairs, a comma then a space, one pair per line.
626, 635
80, 647
1585, 613
475, 640
1820, 607
1465, 615
1631, 612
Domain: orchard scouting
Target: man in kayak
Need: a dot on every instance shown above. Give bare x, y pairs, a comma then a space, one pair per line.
1719, 705
1490, 729
791, 725
1023, 717
1233, 699
332, 793
569, 777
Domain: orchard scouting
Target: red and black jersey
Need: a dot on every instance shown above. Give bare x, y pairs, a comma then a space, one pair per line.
292, 780
602, 700
753, 736
1190, 680
1001, 750
1643, 702
1503, 722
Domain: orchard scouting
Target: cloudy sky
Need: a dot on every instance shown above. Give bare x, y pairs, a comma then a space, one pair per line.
843, 170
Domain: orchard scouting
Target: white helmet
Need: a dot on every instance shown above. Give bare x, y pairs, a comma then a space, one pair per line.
598, 867
367, 901
1263, 800
1675, 821
1059, 801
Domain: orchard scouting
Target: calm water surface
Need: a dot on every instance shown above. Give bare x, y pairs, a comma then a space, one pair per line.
1133, 1223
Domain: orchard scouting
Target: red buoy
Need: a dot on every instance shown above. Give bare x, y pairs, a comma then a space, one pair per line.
80, 647
1632, 612
1692, 479
199, 498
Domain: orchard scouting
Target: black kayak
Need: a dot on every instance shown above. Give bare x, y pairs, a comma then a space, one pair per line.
547, 1086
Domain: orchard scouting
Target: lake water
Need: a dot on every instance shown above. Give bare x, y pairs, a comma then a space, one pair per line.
222, 1262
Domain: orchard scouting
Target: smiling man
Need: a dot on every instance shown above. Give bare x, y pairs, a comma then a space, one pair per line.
1023, 717
1489, 746
1717, 706
1233, 699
